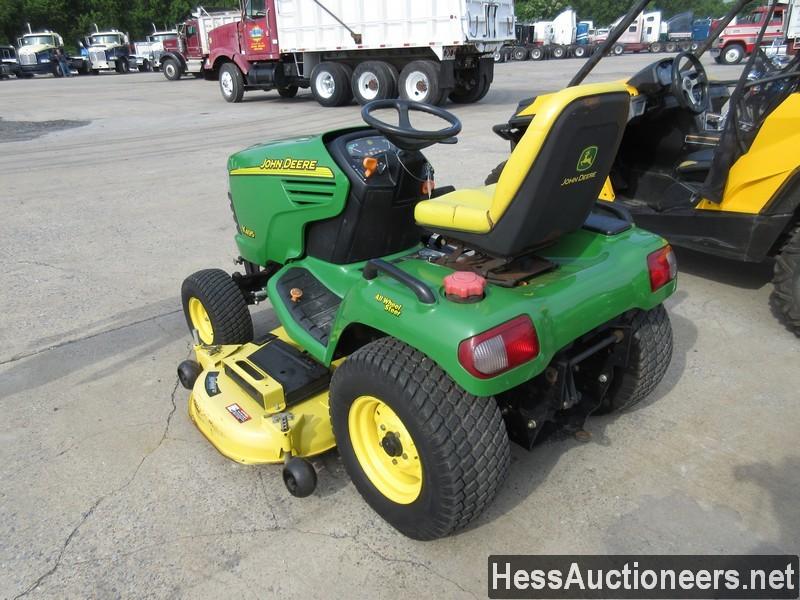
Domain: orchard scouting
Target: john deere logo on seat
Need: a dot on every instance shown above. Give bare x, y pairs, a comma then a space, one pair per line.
587, 158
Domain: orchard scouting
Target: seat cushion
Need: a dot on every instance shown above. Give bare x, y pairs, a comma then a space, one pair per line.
462, 210
699, 160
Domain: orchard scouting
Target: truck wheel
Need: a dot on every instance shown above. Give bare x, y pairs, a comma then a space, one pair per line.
670, 47
330, 84
172, 70
732, 55
419, 81
122, 66
655, 47
519, 53
685, 46
557, 51
231, 82
146, 67
214, 305
579, 51
537, 53
427, 456
374, 80
648, 360
618, 49
56, 70
478, 90
786, 293
499, 56
290, 91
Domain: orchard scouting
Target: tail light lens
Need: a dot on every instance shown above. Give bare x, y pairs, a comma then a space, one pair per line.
663, 267
499, 349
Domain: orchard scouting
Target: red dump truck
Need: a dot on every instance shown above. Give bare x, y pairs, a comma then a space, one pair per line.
341, 49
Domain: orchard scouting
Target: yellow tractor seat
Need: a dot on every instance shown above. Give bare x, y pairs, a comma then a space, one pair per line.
464, 210
551, 180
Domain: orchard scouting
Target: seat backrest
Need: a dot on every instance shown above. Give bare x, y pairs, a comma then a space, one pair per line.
556, 172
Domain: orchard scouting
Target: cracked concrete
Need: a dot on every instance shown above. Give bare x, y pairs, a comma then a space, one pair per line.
107, 489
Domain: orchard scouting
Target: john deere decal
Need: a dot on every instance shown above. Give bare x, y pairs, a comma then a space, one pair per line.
586, 161
286, 166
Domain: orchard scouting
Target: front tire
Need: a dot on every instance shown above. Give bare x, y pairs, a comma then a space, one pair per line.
231, 83
786, 293
289, 91
214, 305
172, 70
648, 360
732, 55
427, 456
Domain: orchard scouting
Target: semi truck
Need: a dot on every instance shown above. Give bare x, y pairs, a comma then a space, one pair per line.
37, 53
148, 52
737, 40
367, 49
109, 51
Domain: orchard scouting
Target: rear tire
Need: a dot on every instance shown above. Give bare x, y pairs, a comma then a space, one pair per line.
655, 47
451, 448
419, 82
330, 84
224, 318
537, 53
786, 293
557, 51
579, 51
374, 80
231, 82
670, 47
172, 70
519, 53
618, 50
471, 95
650, 355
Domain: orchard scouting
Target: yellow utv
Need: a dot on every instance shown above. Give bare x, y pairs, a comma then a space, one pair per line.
710, 165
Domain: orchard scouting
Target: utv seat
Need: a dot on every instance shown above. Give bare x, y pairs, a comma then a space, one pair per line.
551, 180
696, 162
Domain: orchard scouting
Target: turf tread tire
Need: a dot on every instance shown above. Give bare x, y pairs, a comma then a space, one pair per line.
224, 303
786, 280
650, 355
462, 437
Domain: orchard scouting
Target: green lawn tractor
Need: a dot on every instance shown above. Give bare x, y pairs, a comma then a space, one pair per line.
423, 328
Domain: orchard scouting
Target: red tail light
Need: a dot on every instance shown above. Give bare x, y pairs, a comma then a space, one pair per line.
499, 349
663, 267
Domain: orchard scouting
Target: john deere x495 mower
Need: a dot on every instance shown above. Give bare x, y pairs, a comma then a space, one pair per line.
422, 329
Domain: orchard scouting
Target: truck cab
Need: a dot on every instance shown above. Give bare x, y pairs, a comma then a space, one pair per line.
37, 53
737, 40
9, 65
109, 50
148, 53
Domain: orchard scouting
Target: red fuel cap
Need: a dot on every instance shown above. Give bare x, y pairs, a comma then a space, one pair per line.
463, 285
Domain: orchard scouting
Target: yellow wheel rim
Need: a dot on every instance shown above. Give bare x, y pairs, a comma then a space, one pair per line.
200, 321
385, 450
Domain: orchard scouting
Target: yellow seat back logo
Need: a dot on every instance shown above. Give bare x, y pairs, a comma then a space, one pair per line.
586, 161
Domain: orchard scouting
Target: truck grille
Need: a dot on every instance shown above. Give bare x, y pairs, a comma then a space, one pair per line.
27, 59
97, 55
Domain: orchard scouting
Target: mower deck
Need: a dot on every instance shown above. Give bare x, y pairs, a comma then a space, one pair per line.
258, 402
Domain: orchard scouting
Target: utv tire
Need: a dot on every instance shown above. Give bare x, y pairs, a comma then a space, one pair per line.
231, 82
374, 80
786, 293
289, 91
732, 55
419, 82
172, 70
494, 176
649, 358
460, 440
330, 84
222, 305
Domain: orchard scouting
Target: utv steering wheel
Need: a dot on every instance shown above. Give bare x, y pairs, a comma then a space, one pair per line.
404, 135
690, 86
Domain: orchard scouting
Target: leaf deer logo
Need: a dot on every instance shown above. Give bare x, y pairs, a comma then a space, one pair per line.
588, 156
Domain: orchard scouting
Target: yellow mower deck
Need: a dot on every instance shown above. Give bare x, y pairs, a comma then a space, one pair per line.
241, 409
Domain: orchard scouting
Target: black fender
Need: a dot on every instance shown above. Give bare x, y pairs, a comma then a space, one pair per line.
177, 56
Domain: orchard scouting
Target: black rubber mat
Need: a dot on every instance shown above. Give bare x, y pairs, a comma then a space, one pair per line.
300, 375
316, 308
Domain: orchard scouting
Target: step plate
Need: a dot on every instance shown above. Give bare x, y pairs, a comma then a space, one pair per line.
317, 307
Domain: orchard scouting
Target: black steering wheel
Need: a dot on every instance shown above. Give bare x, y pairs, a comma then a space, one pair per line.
404, 135
690, 86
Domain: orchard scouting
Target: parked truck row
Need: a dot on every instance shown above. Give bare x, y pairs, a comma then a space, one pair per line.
342, 50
